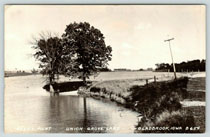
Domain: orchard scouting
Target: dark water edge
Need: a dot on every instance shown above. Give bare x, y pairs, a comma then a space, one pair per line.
66, 86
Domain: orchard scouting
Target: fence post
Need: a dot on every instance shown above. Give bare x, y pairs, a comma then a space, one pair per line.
154, 78
146, 81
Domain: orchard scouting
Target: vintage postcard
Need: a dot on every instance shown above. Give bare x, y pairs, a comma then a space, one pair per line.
105, 68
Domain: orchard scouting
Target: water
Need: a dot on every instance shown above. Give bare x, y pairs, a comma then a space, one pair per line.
30, 109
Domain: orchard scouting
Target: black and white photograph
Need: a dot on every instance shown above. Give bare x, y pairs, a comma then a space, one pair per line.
104, 69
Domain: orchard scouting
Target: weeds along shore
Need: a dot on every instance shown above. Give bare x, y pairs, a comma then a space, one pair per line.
157, 102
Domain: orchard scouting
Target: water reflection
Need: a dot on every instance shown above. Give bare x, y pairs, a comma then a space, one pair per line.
29, 110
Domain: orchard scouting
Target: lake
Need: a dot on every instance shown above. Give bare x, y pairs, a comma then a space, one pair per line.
30, 109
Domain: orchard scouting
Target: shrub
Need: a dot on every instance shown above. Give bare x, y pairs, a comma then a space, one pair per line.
95, 89
154, 98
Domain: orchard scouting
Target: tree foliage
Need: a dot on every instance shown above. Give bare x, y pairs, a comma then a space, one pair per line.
49, 54
80, 52
85, 50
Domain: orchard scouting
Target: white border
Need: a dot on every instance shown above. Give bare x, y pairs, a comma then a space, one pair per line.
3, 2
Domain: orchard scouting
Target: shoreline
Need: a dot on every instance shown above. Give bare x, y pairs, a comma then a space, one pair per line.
18, 75
186, 106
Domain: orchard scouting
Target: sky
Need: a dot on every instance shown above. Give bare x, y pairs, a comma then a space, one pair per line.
136, 33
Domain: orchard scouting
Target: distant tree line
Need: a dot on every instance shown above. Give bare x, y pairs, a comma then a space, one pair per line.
106, 69
189, 66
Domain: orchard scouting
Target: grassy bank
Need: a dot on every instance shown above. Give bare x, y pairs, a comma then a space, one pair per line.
158, 102
196, 96
115, 90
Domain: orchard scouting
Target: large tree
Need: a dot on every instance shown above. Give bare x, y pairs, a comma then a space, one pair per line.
85, 50
48, 51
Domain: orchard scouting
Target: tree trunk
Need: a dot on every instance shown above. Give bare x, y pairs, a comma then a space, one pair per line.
84, 80
51, 78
